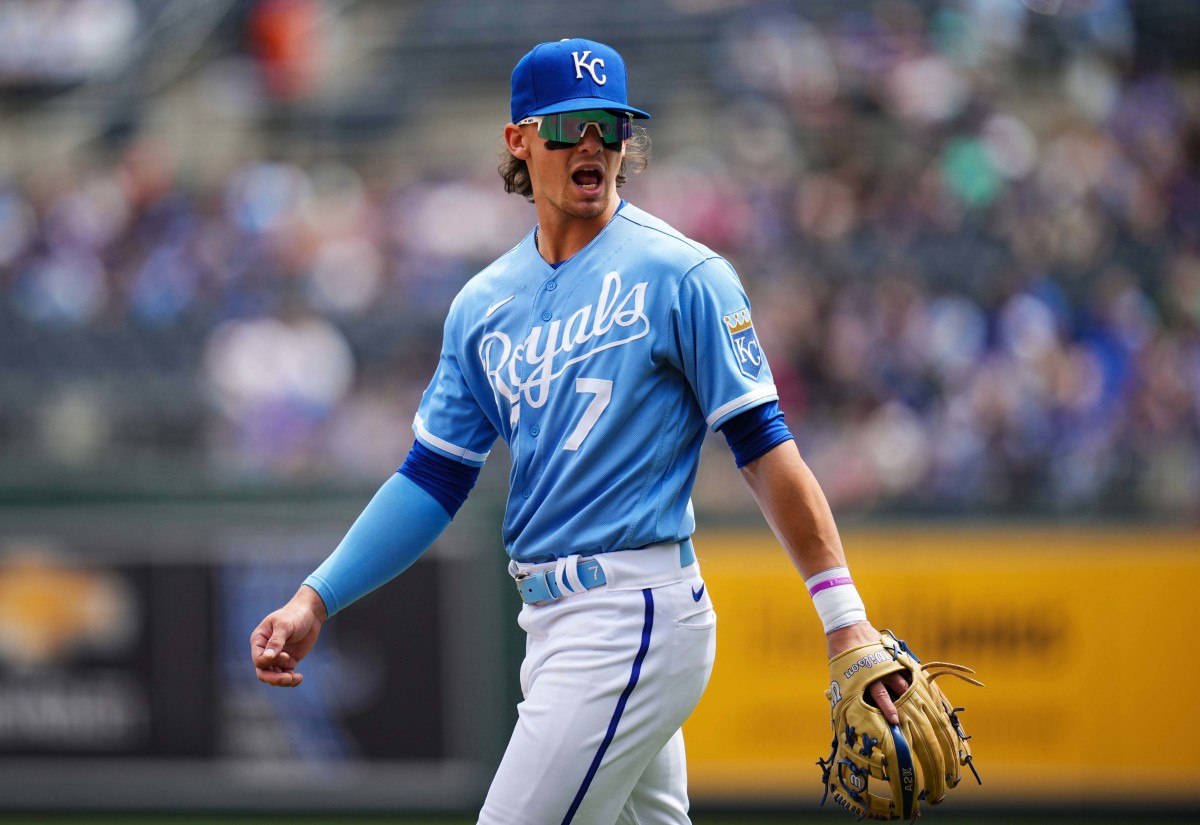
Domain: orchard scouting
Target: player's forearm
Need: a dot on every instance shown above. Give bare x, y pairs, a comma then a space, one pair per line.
394, 529
798, 512
796, 509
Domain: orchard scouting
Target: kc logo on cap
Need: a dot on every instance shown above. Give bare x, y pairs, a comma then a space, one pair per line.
591, 67
570, 76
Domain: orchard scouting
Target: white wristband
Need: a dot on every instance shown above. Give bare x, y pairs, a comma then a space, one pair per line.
837, 602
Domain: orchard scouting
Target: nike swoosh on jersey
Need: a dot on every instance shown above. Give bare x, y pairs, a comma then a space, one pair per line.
697, 595
497, 305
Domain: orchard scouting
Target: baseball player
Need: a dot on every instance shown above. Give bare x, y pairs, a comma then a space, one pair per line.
600, 348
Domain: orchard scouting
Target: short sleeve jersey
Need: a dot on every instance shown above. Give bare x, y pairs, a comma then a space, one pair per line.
602, 375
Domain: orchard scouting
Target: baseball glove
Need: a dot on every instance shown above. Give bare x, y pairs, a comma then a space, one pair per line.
915, 761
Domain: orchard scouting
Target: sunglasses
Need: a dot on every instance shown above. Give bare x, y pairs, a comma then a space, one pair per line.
569, 127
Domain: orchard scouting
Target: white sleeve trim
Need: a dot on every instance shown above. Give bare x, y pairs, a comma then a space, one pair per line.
767, 393
446, 446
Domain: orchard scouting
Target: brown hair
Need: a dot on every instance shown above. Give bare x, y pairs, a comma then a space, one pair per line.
516, 172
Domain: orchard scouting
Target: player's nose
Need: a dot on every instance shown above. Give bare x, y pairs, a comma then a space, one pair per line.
591, 138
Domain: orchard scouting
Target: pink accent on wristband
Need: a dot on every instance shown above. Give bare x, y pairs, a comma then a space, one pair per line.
825, 585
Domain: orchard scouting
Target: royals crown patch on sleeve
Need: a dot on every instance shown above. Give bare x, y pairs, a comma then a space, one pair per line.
745, 343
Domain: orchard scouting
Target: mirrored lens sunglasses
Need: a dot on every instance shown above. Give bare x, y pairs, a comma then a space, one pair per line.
570, 127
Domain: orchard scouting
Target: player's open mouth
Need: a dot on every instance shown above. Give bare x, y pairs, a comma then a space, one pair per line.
588, 179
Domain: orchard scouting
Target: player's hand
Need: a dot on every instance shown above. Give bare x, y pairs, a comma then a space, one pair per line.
285, 637
884, 691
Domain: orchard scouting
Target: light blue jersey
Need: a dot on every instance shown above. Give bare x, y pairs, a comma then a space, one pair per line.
602, 376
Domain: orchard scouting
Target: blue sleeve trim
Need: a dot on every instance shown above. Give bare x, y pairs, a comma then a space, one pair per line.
447, 481
393, 530
753, 433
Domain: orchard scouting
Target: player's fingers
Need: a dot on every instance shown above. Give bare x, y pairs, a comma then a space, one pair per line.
260, 639
896, 684
884, 702
277, 677
267, 641
279, 636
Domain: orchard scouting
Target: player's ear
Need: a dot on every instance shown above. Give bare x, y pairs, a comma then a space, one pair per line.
516, 141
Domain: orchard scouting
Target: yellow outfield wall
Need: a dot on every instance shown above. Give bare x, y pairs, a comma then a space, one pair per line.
1083, 638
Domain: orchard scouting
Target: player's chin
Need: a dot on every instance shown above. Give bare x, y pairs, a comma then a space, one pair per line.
590, 202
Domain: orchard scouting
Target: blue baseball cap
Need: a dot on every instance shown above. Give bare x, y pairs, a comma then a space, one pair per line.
569, 76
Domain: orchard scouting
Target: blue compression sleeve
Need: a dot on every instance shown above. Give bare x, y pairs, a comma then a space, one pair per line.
446, 480
393, 530
753, 433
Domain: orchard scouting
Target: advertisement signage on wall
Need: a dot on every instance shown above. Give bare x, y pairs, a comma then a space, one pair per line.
126, 681
1061, 625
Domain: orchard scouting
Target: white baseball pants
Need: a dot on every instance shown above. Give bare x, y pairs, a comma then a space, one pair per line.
609, 677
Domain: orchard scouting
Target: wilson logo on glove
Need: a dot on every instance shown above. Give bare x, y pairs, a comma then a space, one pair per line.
878, 658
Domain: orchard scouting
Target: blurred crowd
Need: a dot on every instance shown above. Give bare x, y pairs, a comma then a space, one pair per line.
58, 43
975, 265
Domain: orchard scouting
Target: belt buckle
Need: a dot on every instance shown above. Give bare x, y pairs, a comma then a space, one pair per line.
526, 584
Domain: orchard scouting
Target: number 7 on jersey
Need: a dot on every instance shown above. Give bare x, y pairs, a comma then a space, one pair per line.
602, 390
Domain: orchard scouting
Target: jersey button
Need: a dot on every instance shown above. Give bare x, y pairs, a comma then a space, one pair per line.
553, 285
547, 315
535, 431
526, 493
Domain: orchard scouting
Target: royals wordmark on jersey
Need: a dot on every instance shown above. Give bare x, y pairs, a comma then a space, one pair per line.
601, 375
